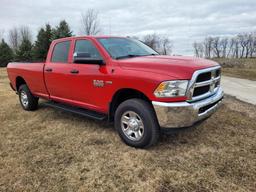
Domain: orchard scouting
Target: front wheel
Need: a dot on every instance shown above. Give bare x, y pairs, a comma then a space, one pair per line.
136, 123
28, 101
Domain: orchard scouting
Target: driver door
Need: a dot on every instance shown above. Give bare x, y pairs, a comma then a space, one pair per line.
84, 92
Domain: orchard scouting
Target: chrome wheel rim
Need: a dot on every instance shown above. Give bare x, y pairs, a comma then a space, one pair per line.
24, 98
132, 125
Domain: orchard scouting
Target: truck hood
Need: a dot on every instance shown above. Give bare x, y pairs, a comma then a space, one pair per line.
178, 67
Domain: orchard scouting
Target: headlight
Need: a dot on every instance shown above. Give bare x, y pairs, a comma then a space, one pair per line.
171, 88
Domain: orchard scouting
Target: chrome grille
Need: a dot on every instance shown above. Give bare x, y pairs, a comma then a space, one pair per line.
204, 83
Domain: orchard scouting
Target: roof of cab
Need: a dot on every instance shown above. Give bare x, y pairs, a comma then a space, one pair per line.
88, 37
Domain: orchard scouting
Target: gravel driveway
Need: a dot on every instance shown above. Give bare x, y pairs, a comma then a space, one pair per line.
242, 89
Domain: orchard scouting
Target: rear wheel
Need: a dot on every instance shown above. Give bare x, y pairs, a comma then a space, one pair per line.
27, 100
136, 123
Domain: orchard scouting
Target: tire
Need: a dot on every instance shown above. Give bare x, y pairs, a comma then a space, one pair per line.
27, 100
130, 117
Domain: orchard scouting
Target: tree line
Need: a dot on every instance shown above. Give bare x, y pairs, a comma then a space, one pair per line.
161, 43
238, 46
20, 46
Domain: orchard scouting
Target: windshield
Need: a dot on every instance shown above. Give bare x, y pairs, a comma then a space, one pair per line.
120, 48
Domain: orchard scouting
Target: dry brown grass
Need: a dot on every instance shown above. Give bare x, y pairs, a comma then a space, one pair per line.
49, 150
242, 68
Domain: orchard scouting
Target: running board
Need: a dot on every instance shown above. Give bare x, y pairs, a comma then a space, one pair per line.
76, 110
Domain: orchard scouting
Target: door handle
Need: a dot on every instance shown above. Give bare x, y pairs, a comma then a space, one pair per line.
48, 69
74, 71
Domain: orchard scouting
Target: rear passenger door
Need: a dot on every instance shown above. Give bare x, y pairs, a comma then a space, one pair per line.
58, 71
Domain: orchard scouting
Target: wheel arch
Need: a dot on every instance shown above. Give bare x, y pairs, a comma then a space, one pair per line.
19, 81
122, 95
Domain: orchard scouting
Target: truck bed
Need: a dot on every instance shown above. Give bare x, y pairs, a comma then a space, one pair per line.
32, 72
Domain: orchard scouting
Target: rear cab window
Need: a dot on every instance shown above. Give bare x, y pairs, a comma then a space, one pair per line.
60, 52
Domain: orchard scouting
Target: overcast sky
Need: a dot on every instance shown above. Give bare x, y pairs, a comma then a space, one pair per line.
184, 21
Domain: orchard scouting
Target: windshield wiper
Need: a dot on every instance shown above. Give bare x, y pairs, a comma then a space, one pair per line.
153, 54
128, 56
133, 55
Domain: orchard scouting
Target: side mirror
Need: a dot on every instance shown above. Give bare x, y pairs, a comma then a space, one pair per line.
85, 58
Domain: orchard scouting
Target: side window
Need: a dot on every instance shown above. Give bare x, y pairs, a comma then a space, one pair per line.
86, 47
60, 52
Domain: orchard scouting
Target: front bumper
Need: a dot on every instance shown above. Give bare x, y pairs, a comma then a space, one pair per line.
185, 114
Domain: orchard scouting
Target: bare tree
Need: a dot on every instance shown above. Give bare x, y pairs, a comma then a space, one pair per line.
236, 49
201, 50
90, 22
243, 41
223, 46
25, 33
160, 43
198, 49
14, 38
241, 45
216, 46
208, 46
252, 43
249, 45
230, 47
166, 45
152, 40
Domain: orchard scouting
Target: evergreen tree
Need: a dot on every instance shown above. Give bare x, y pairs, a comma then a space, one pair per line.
24, 52
6, 54
42, 43
62, 30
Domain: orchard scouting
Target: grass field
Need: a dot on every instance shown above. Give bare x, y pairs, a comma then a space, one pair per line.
49, 150
242, 68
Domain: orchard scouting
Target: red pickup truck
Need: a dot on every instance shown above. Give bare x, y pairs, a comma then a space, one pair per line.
122, 80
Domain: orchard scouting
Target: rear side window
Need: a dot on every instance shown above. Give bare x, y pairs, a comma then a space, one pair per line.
60, 52
85, 46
